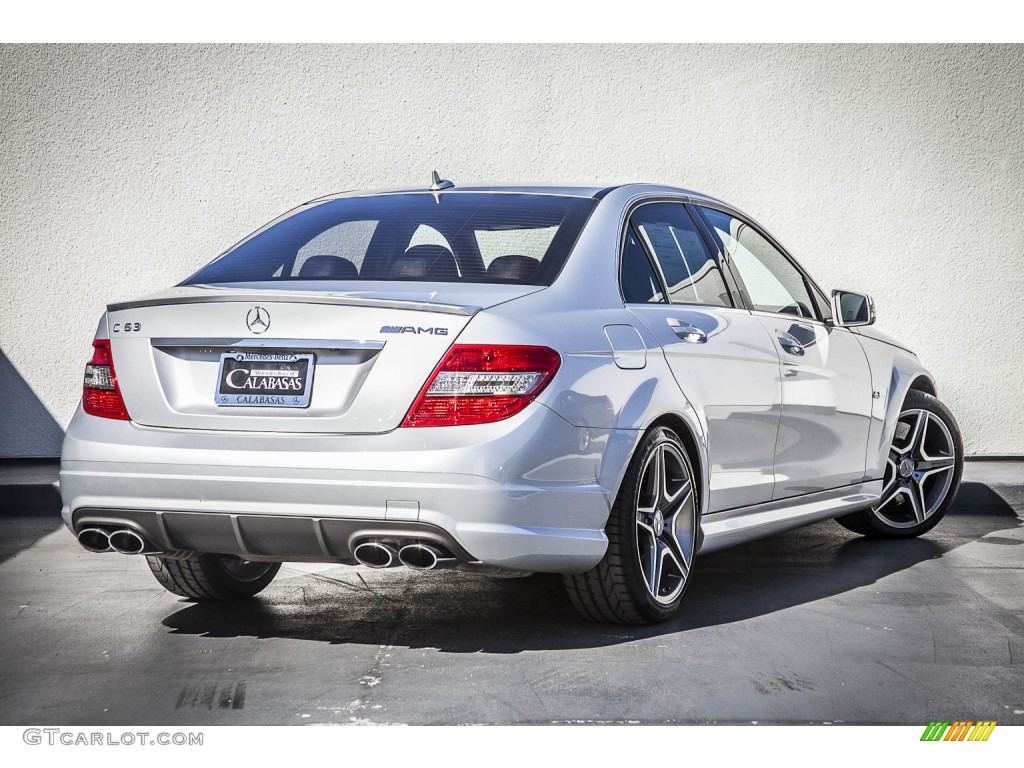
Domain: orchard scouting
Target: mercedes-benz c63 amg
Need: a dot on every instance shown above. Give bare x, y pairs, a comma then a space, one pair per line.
599, 383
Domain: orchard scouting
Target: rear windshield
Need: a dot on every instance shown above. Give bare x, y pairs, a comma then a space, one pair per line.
521, 239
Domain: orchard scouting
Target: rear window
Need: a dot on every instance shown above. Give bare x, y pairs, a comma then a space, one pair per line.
470, 237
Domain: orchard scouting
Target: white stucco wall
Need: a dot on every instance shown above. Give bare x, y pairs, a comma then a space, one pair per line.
896, 170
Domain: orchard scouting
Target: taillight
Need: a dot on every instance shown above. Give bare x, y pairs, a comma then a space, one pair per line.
477, 384
100, 393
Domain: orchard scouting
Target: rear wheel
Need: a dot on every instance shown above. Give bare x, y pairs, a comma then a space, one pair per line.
205, 576
922, 473
652, 535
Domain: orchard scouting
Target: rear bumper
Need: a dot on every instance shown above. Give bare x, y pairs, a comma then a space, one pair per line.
531, 493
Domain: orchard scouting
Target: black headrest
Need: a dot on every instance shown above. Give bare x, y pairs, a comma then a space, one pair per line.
512, 267
328, 268
425, 262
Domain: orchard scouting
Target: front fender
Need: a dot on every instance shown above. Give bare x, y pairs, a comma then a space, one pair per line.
893, 371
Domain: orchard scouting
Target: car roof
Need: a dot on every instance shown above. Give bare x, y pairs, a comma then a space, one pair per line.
532, 189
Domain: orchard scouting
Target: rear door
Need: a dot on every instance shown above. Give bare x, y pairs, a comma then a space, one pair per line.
826, 383
721, 356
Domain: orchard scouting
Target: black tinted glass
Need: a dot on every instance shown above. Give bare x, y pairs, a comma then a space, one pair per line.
412, 237
691, 274
771, 281
639, 281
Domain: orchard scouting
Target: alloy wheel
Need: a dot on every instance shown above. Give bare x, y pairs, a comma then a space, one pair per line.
665, 522
919, 470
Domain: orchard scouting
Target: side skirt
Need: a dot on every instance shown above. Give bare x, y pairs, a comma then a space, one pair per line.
736, 526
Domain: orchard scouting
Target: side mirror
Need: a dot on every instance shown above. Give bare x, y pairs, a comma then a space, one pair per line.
850, 309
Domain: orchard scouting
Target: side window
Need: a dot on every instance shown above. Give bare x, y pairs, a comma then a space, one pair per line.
427, 235
347, 241
824, 304
532, 242
691, 273
772, 282
639, 282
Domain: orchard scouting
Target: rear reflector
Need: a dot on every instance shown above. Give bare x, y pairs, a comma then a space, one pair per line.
477, 384
100, 394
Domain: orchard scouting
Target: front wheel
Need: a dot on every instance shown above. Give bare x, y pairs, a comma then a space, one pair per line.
922, 473
652, 537
205, 576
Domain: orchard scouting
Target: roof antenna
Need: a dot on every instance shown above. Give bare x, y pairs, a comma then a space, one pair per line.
437, 184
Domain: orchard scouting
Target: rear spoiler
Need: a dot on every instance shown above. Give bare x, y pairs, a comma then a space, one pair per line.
301, 298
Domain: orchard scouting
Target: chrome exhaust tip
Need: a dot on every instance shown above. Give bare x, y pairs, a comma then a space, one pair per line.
423, 557
94, 539
127, 542
373, 554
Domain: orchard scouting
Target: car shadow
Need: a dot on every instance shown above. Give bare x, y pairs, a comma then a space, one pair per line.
19, 533
465, 613
28, 427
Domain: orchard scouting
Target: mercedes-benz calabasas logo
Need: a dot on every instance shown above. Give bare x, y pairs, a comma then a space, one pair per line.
258, 320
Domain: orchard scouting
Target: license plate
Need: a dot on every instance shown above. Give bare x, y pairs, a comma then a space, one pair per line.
265, 379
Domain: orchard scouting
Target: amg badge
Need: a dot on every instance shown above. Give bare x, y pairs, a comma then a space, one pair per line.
413, 329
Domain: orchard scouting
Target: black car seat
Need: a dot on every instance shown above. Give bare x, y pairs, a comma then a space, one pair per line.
425, 262
328, 268
514, 268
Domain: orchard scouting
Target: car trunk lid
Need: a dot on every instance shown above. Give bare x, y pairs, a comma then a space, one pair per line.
328, 361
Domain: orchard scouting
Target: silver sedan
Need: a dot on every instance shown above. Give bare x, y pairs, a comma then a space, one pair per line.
600, 383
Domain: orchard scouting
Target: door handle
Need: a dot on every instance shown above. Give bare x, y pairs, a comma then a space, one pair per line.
791, 345
687, 332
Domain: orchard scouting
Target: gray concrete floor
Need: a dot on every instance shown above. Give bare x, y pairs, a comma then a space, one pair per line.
816, 625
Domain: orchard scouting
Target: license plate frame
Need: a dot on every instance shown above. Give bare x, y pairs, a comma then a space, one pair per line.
261, 392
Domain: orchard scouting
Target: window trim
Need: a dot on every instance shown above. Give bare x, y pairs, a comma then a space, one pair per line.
809, 284
652, 263
627, 224
733, 282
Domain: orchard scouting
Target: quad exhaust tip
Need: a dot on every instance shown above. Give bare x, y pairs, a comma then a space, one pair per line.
418, 556
423, 557
127, 542
373, 554
123, 540
94, 539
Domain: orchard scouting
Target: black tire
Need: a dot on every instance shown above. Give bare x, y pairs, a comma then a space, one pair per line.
205, 576
897, 517
617, 589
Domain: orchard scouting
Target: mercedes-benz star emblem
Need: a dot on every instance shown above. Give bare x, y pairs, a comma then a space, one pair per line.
258, 320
